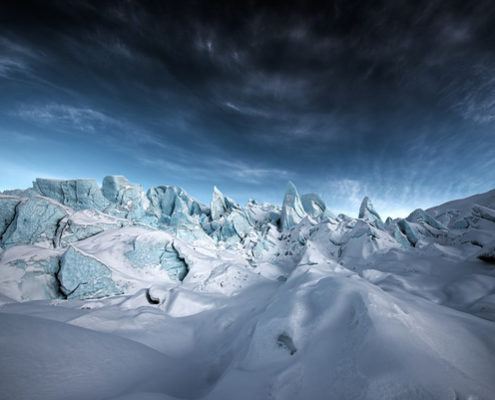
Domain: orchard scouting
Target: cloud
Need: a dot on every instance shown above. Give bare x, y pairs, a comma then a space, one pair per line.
214, 169
10, 65
381, 100
242, 172
15, 58
80, 118
477, 95
348, 191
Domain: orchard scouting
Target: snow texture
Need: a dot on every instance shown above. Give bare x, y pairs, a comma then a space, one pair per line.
115, 293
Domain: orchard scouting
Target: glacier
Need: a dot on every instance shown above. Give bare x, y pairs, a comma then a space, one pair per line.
367, 212
82, 276
299, 300
292, 209
78, 194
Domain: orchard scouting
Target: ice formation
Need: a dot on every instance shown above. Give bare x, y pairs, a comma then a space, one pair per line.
78, 194
83, 276
304, 303
367, 212
292, 209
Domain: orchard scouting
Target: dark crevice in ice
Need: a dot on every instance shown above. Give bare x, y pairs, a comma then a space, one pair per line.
12, 220
61, 293
150, 298
59, 231
487, 258
183, 260
285, 341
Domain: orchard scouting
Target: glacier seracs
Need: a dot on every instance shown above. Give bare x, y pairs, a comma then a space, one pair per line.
368, 212
293, 297
78, 194
292, 209
83, 276
262, 233
35, 220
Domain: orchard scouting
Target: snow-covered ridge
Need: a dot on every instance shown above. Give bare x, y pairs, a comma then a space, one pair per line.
293, 296
62, 217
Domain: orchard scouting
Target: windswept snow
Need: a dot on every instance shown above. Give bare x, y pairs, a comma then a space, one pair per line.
117, 293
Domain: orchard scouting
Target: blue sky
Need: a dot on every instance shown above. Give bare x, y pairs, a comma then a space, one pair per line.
397, 103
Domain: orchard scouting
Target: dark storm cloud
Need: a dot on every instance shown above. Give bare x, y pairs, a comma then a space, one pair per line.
252, 94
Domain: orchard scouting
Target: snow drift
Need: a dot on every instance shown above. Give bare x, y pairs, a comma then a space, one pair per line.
113, 292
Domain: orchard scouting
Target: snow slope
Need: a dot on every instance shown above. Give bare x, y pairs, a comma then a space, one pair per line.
114, 293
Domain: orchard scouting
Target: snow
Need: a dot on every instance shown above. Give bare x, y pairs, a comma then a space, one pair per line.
420, 216
29, 273
488, 254
461, 211
35, 351
156, 296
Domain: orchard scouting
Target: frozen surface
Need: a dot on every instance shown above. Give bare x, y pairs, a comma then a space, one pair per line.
292, 209
77, 193
117, 293
35, 220
368, 212
83, 276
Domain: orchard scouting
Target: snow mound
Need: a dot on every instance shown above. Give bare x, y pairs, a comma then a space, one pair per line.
114, 292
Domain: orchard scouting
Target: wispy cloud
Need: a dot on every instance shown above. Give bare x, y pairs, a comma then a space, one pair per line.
9, 65
288, 94
81, 118
246, 110
15, 58
344, 195
243, 172
213, 169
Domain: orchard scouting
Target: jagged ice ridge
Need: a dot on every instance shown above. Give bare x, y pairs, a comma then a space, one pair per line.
305, 303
